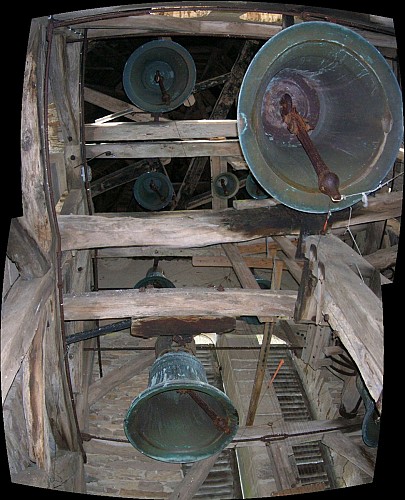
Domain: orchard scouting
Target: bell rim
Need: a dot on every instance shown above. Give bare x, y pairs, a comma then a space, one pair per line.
272, 183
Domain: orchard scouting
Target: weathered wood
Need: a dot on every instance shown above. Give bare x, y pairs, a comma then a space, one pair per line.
223, 261
113, 378
32, 163
354, 311
282, 464
167, 302
218, 166
190, 148
189, 325
23, 250
194, 479
384, 258
119, 177
298, 490
21, 313
175, 229
179, 129
115, 105
344, 446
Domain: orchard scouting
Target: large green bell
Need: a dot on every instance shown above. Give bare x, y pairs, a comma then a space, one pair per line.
180, 418
159, 76
346, 94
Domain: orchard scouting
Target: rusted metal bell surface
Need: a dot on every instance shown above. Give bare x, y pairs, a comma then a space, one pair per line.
345, 92
159, 76
180, 418
153, 191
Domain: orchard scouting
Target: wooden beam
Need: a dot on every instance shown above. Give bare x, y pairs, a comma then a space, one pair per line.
167, 149
346, 447
167, 302
23, 250
115, 105
156, 131
114, 377
21, 313
354, 311
119, 177
223, 261
188, 325
175, 229
194, 478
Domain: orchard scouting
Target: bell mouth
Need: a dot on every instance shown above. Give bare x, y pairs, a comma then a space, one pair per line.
351, 99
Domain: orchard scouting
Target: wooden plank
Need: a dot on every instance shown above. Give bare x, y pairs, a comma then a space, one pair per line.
298, 490
21, 313
176, 129
281, 460
102, 386
169, 25
175, 229
384, 258
189, 325
354, 311
168, 149
167, 302
218, 166
223, 261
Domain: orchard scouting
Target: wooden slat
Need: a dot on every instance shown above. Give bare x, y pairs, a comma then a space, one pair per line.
167, 302
189, 325
167, 149
179, 129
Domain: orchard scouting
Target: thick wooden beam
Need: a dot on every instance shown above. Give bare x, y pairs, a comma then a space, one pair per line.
223, 261
21, 314
167, 302
190, 148
188, 325
23, 250
179, 229
354, 311
119, 177
180, 129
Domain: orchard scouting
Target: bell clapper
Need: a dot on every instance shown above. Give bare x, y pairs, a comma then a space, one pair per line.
328, 182
220, 423
165, 95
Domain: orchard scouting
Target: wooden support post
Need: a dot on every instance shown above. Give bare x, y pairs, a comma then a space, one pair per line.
218, 166
194, 479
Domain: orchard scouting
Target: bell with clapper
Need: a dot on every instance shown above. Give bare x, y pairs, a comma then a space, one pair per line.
159, 76
180, 417
320, 118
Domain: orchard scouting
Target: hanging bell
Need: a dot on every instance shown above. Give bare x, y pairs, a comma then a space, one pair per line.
225, 185
180, 418
159, 76
319, 117
153, 190
156, 278
254, 190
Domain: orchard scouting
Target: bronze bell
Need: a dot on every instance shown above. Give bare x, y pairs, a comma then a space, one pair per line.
319, 117
180, 418
159, 76
225, 185
153, 191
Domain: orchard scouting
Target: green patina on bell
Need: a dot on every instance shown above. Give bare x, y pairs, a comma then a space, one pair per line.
180, 418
